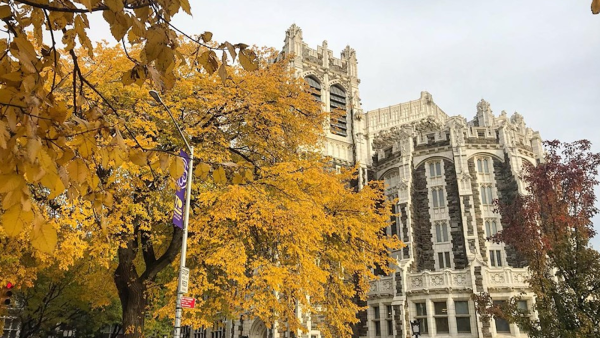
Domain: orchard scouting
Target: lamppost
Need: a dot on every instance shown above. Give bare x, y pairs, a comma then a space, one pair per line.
186, 217
415, 326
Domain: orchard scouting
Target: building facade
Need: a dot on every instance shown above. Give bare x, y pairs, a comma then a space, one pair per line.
444, 172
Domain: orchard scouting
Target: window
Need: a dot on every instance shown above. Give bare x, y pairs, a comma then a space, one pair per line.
441, 317
495, 258
376, 322
438, 197
337, 105
483, 166
315, 87
491, 228
200, 333
522, 307
441, 232
501, 323
435, 169
486, 195
421, 317
390, 323
444, 260
463, 318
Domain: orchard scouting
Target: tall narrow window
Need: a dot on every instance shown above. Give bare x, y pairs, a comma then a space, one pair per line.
441, 317
376, 320
315, 87
422, 317
337, 105
444, 260
441, 232
491, 228
438, 197
486, 168
463, 318
390, 322
496, 258
486, 195
435, 169
501, 323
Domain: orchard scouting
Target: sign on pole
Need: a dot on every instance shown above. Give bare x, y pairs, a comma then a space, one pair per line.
180, 194
188, 302
185, 278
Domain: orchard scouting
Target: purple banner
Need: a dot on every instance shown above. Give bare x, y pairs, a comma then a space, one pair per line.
180, 194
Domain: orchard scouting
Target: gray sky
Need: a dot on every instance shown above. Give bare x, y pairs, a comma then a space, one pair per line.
538, 57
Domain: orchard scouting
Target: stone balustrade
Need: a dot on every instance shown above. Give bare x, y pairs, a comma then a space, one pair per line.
506, 277
382, 287
430, 280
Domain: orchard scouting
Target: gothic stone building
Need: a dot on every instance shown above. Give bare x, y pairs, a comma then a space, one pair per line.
444, 172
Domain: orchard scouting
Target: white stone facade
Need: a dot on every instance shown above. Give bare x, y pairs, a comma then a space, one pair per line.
443, 172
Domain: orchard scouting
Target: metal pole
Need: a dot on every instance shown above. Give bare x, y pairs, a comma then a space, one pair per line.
186, 219
186, 215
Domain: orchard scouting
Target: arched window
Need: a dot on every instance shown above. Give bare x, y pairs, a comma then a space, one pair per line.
337, 105
315, 87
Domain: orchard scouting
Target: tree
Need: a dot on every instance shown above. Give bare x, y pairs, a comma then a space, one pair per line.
271, 223
76, 299
37, 121
551, 227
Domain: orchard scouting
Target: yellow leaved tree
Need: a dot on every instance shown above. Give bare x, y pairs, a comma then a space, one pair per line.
89, 164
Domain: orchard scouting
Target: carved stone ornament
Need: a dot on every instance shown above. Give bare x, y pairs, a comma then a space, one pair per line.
387, 138
483, 107
427, 124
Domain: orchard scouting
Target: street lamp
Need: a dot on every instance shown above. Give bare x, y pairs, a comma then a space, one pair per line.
178, 309
415, 326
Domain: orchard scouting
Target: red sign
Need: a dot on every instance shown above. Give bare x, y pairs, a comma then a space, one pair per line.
188, 302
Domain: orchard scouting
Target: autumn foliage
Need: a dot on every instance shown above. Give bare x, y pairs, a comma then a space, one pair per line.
551, 227
89, 162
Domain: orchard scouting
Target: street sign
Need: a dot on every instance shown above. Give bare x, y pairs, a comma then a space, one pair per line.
188, 302
185, 278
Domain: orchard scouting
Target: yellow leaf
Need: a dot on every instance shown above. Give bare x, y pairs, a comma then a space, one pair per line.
5, 12
14, 219
127, 78
596, 6
33, 173
78, 170
223, 72
114, 5
14, 76
248, 60
185, 5
219, 176
202, 170
94, 181
87, 4
87, 148
248, 175
44, 237
208, 60
138, 157
13, 197
176, 169
237, 179
4, 135
33, 147
10, 182
206, 36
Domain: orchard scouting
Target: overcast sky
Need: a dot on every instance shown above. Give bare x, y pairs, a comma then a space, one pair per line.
540, 58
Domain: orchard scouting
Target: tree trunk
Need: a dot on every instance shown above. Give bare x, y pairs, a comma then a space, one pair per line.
132, 293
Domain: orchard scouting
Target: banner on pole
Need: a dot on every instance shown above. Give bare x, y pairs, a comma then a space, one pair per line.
180, 194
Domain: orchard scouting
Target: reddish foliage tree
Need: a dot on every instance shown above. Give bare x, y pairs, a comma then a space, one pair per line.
551, 227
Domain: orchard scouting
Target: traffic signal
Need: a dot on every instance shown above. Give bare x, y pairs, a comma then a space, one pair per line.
7, 292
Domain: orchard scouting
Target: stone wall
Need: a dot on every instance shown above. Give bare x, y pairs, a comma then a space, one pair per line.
459, 248
507, 188
404, 222
421, 223
477, 207
397, 320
